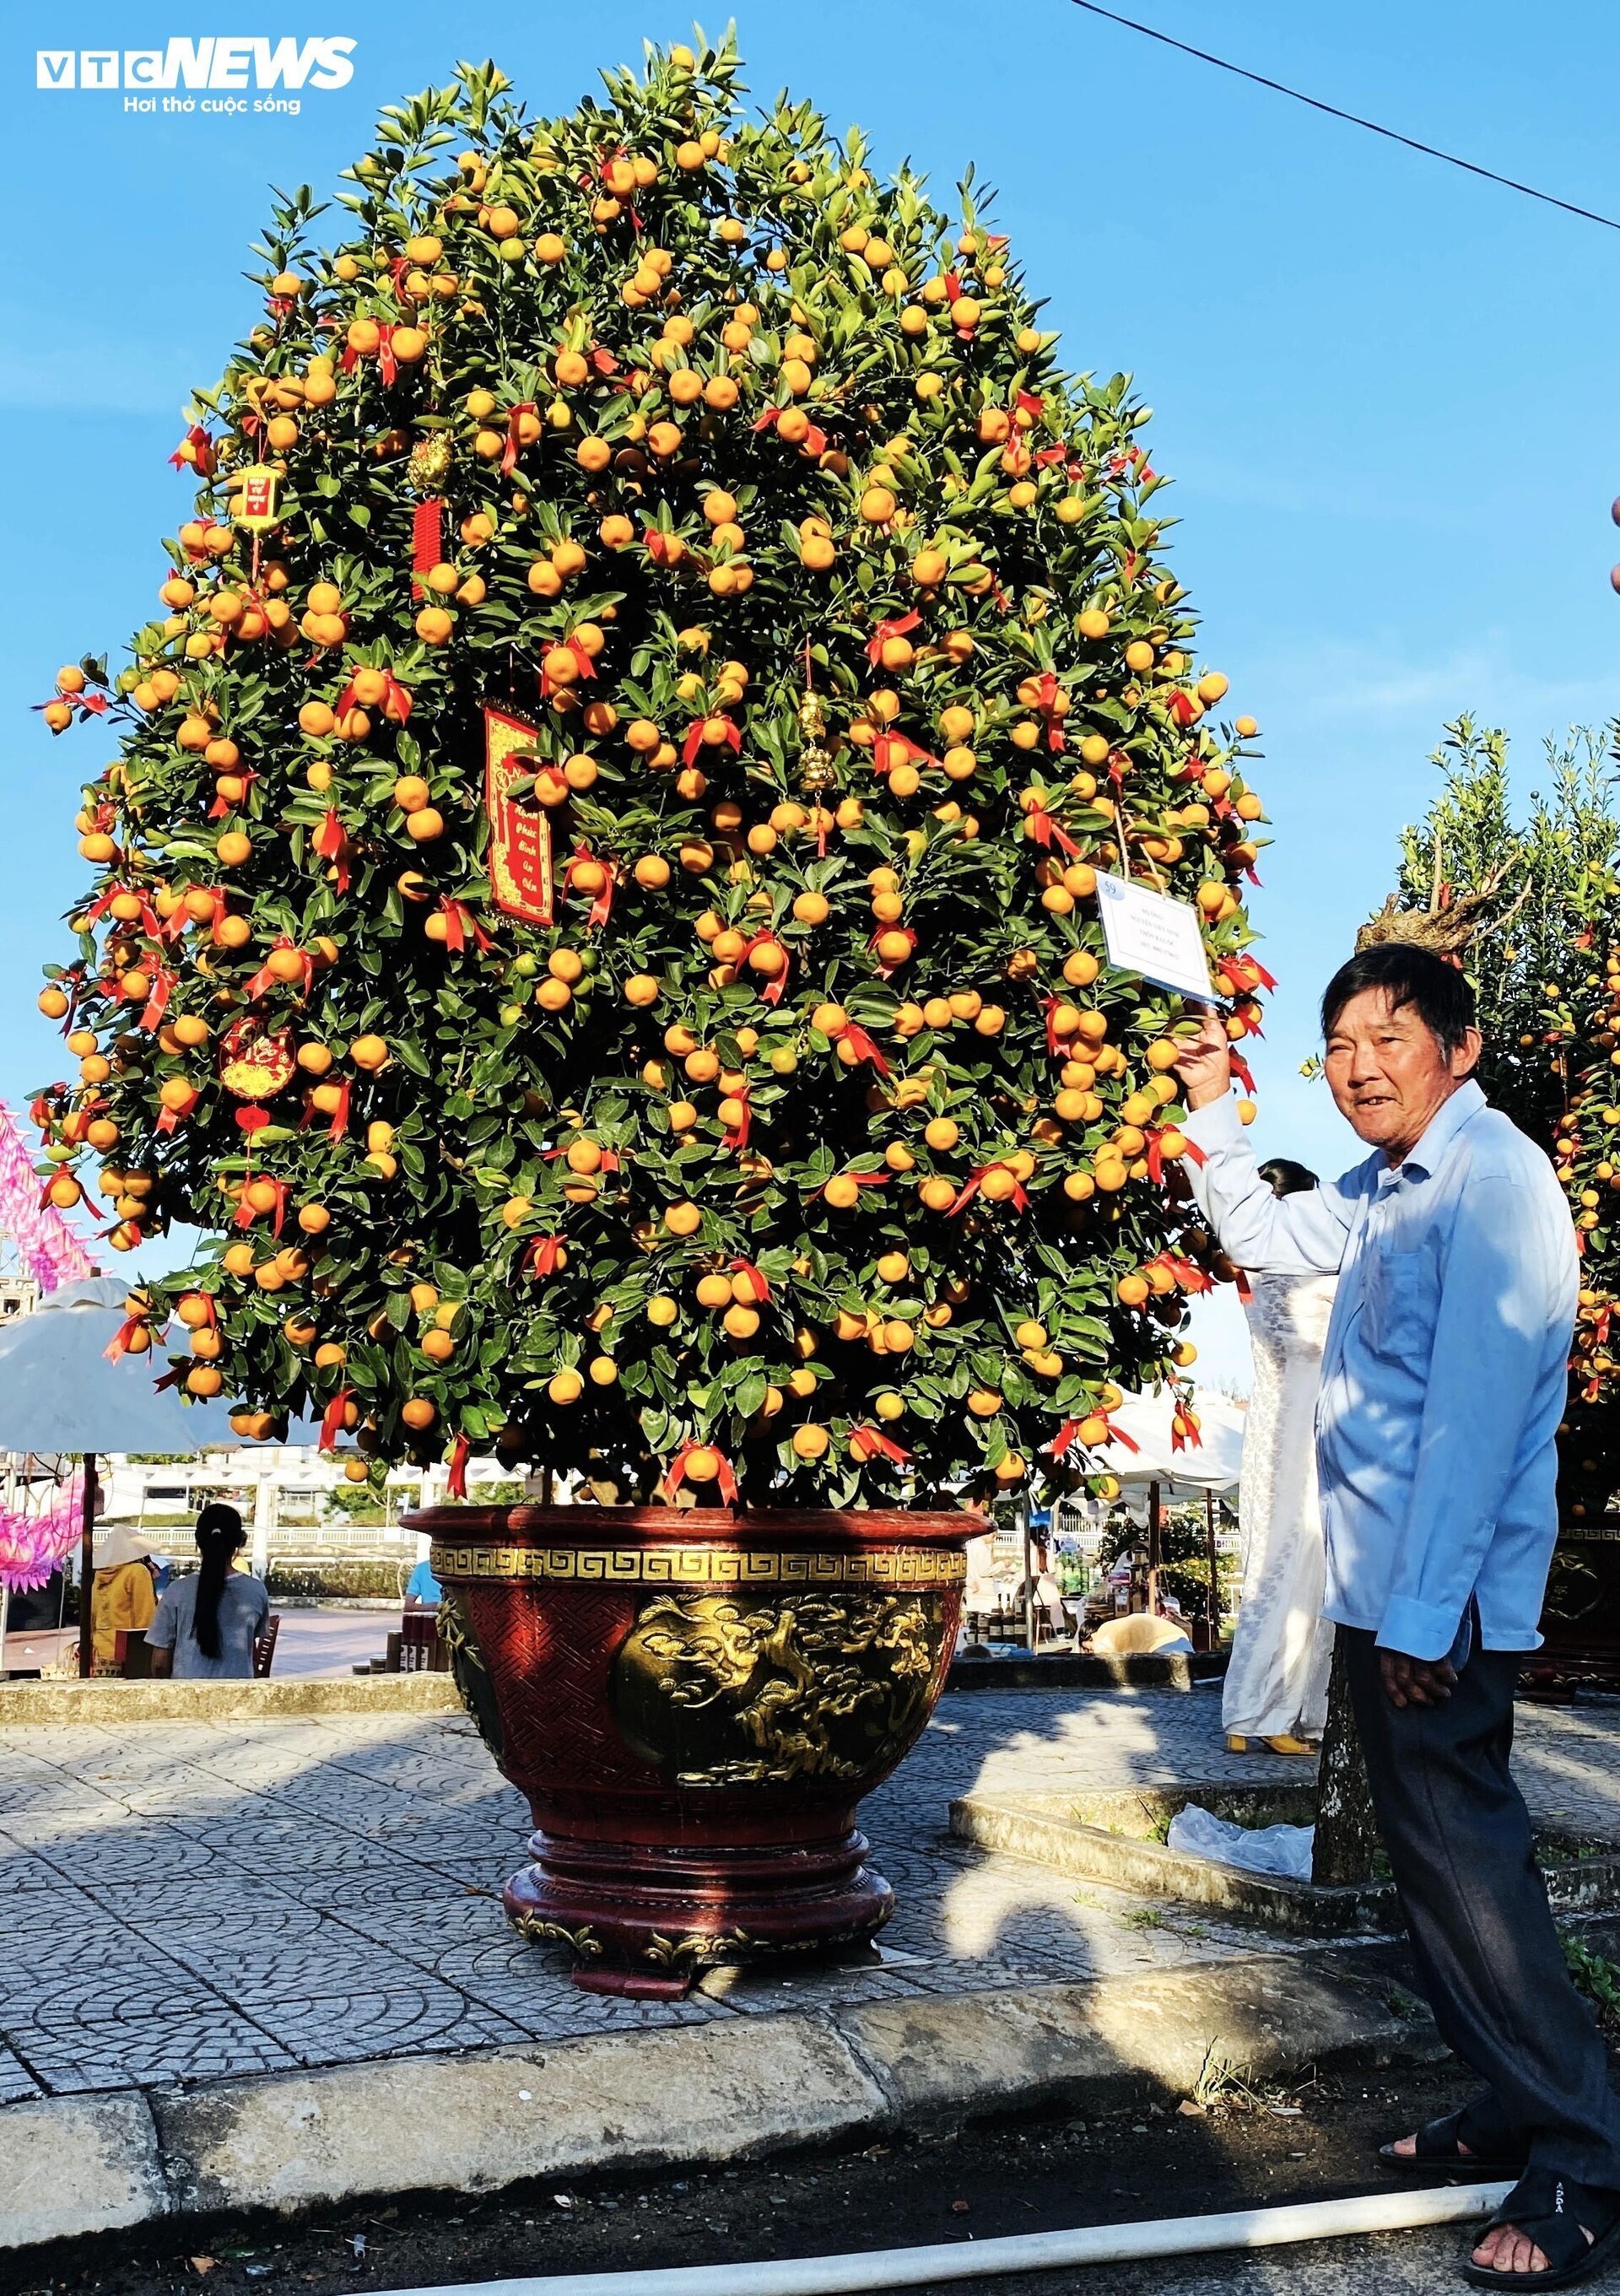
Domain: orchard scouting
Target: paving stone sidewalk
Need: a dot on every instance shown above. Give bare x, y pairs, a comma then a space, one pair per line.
195, 1901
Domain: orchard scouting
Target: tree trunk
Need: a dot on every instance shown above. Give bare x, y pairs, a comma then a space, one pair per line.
1346, 1832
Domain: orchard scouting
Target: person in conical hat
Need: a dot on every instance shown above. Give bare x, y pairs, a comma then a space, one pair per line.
123, 1595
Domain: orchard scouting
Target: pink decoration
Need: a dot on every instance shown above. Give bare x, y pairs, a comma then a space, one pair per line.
48, 1246
34, 1539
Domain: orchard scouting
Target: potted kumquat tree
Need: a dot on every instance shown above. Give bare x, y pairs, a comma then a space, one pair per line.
594, 906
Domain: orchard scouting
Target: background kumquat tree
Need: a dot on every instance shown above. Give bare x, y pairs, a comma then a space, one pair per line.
1532, 910
810, 1141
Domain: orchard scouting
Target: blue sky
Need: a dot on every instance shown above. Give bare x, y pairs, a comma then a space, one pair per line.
1386, 390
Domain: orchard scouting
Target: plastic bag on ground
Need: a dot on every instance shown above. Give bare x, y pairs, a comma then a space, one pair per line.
1278, 1850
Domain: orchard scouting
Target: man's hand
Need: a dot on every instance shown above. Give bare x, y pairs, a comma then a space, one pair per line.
1416, 1681
1203, 1063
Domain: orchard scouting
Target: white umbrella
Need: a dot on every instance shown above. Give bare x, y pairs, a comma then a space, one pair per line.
60, 1395
1158, 1470
1213, 1463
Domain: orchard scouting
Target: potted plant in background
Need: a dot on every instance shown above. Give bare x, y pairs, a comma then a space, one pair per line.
595, 899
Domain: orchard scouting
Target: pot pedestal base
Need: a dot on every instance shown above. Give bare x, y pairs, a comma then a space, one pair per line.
647, 1920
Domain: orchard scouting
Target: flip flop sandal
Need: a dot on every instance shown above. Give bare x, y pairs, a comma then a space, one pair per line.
1550, 2209
1436, 2148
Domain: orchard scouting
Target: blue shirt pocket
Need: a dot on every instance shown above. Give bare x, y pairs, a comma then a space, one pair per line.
1401, 1300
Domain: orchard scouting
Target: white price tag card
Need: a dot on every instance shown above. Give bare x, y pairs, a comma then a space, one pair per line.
1148, 933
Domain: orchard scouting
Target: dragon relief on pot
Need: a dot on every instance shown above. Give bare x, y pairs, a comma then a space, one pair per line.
726, 1692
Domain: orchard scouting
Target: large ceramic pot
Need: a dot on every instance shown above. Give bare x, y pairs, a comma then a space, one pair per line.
693, 1702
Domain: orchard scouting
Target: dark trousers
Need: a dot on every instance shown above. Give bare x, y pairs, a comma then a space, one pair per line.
1458, 1838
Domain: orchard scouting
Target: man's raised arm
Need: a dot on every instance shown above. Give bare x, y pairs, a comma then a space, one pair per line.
1262, 1232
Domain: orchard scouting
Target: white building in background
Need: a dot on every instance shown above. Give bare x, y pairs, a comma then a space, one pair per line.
19, 1296
282, 1492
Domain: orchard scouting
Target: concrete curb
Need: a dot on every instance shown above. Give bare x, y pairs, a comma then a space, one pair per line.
123, 1702
619, 2103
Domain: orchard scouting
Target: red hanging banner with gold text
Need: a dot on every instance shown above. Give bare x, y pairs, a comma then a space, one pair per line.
519, 835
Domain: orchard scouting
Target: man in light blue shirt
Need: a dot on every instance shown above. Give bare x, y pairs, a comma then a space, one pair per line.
1443, 1382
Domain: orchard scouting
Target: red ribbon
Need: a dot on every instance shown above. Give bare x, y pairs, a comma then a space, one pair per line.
216, 917
814, 440
338, 1125
1187, 1273
203, 458
1241, 1070
865, 1048
602, 906
752, 1276
427, 541
771, 993
583, 662
736, 1137
396, 701
676, 1472
119, 1345
1054, 1043
457, 1485
264, 981
1242, 972
540, 1259
219, 809
886, 630
892, 749
689, 747
156, 1003
168, 1117
975, 1180
1069, 1435
867, 1442
514, 445
887, 971
332, 843
332, 1418
148, 917
1045, 703
1074, 468
1182, 1437
459, 921
1045, 829
1182, 708
246, 1215
385, 354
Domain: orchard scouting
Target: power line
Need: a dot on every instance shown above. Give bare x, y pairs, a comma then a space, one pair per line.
1429, 151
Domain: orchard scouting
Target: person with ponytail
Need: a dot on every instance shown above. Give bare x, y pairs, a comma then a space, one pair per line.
208, 1621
